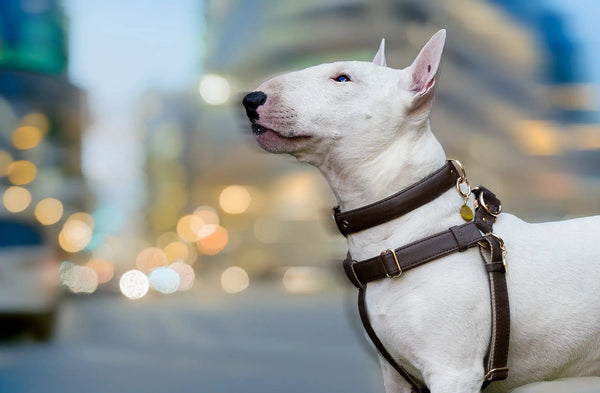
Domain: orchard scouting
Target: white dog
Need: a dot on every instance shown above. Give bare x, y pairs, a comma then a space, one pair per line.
366, 128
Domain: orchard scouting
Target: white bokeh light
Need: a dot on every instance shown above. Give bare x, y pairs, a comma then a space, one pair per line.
214, 89
134, 284
234, 279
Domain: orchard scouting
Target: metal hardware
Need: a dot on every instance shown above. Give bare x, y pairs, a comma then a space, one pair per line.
494, 370
486, 207
397, 263
502, 248
460, 168
486, 246
463, 180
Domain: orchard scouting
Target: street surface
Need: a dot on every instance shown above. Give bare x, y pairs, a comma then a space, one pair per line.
259, 341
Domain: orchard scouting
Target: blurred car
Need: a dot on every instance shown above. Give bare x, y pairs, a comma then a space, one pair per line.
29, 281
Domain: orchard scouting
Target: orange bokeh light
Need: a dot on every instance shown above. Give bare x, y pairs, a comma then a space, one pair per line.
151, 258
105, 270
176, 251
213, 243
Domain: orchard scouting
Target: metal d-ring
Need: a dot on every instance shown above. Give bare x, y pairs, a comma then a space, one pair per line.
487, 208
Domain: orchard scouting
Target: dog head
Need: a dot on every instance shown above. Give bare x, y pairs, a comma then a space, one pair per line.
335, 112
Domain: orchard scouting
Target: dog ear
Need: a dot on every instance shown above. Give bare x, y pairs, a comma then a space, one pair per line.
380, 56
425, 69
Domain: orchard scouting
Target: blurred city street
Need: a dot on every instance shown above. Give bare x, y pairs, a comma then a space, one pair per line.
196, 341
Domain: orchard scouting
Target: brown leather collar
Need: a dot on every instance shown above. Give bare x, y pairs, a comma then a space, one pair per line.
394, 206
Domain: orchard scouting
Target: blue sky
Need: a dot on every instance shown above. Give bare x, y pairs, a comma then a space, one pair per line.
118, 49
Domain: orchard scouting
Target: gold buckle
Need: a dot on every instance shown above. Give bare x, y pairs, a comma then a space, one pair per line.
393, 252
489, 373
486, 246
486, 207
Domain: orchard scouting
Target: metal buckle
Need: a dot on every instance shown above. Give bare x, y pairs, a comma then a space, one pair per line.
494, 370
486, 207
393, 252
486, 246
502, 248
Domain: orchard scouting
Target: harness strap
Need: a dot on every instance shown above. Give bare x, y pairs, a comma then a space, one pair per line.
392, 263
364, 317
394, 206
497, 359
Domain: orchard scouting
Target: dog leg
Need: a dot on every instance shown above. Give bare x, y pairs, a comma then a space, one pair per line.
392, 381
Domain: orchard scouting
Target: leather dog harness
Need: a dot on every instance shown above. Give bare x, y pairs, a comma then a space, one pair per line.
392, 263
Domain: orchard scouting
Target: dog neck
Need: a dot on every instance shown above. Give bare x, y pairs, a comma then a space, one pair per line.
362, 180
404, 162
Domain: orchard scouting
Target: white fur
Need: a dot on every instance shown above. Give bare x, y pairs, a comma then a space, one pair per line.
370, 138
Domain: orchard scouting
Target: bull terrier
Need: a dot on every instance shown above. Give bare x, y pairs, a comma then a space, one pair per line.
366, 127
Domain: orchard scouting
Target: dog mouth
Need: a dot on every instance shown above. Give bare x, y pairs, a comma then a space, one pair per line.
259, 129
276, 141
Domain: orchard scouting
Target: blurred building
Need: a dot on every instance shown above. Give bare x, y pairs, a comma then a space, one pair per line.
42, 115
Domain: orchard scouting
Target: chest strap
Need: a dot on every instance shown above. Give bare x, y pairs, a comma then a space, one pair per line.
392, 263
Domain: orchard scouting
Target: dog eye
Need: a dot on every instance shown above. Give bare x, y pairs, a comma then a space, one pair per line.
342, 78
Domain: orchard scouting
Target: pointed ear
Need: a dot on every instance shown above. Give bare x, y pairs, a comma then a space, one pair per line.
425, 68
380, 56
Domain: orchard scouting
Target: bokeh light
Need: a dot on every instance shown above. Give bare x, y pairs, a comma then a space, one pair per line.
186, 275
48, 211
209, 217
189, 227
164, 280
108, 218
234, 279
27, 137
75, 235
5, 160
151, 258
83, 217
176, 251
21, 172
78, 279
37, 120
214, 89
16, 199
213, 243
235, 199
134, 284
104, 269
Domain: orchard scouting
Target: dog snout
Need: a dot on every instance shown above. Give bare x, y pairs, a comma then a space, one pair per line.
252, 101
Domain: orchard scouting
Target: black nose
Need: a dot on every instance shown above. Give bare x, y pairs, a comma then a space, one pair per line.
252, 101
